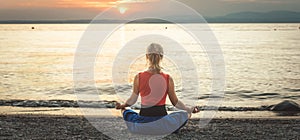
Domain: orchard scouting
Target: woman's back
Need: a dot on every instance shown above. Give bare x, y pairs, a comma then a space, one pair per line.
153, 89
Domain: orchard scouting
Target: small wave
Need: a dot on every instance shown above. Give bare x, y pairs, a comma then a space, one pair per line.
207, 97
259, 95
292, 90
245, 96
246, 91
105, 89
266, 94
296, 97
239, 92
230, 92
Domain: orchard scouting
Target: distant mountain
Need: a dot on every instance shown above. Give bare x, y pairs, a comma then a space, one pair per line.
241, 17
59, 21
44, 21
257, 17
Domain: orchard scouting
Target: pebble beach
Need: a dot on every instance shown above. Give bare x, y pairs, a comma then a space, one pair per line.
77, 127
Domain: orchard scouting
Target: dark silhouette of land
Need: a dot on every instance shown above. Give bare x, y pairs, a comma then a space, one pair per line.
241, 17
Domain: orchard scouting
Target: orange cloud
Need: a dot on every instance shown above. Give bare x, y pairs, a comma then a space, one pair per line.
67, 3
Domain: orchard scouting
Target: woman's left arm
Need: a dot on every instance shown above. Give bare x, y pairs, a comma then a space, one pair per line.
134, 96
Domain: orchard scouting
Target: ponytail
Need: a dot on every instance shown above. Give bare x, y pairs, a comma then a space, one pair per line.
154, 55
155, 60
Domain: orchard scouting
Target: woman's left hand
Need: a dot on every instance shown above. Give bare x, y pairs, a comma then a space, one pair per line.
195, 109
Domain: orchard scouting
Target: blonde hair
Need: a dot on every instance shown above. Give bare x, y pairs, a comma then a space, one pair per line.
155, 55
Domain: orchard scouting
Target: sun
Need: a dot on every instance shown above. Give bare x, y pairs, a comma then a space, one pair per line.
122, 10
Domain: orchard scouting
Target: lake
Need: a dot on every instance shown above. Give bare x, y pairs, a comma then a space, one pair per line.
262, 61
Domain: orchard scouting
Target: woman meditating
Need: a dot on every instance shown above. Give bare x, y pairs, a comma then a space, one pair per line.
153, 86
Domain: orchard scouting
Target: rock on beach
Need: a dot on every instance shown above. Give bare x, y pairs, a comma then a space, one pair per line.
286, 106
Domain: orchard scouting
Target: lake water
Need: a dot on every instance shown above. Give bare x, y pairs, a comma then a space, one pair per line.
262, 62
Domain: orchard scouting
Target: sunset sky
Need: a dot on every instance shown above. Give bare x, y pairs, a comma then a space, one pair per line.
87, 9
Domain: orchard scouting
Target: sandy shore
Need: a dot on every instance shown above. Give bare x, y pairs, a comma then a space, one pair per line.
78, 127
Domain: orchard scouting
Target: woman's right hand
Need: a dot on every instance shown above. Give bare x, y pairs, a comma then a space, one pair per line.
118, 105
121, 106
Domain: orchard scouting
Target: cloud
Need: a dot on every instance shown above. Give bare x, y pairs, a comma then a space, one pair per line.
134, 1
46, 14
66, 9
67, 3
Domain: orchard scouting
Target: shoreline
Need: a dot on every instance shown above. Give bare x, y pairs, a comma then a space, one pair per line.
111, 104
78, 127
112, 112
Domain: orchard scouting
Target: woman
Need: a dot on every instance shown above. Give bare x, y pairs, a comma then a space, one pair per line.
153, 86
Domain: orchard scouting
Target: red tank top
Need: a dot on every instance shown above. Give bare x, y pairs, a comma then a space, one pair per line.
153, 88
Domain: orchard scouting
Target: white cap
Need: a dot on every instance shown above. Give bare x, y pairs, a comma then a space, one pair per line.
155, 48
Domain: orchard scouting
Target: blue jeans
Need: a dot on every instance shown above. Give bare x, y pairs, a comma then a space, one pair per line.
160, 125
